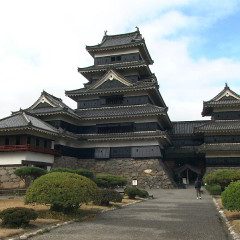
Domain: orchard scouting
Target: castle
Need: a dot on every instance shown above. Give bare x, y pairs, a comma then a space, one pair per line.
121, 125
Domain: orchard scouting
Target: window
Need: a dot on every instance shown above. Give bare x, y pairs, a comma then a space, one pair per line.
113, 59
45, 143
118, 58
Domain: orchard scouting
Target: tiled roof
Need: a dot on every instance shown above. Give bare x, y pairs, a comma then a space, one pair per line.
225, 98
127, 135
185, 127
219, 125
23, 120
139, 85
120, 111
52, 110
121, 65
219, 147
119, 39
126, 40
57, 106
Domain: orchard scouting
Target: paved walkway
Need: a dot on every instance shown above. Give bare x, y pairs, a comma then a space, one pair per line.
173, 215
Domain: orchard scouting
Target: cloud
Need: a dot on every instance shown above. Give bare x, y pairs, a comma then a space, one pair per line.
43, 42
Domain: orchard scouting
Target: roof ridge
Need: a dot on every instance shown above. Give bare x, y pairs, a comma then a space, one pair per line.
123, 34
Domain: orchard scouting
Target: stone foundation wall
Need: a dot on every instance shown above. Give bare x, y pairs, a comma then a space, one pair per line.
8, 180
150, 173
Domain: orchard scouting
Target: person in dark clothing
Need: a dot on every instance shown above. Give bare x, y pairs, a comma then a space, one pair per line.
198, 185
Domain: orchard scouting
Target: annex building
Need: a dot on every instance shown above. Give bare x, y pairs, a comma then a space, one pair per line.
121, 125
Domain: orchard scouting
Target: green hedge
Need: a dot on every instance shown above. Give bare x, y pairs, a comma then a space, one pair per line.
104, 180
214, 189
64, 191
132, 192
80, 171
104, 196
231, 197
223, 177
17, 217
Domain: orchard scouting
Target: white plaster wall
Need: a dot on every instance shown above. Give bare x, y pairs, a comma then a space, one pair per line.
116, 52
12, 158
120, 143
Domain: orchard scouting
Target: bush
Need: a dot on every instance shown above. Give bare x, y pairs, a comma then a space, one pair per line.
28, 174
64, 191
214, 189
143, 193
231, 197
105, 196
85, 172
132, 192
17, 217
81, 171
104, 180
223, 177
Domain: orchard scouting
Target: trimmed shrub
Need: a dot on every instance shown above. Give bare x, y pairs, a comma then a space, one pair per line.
28, 174
223, 177
104, 180
64, 191
85, 172
105, 196
143, 193
214, 189
132, 192
81, 171
69, 170
231, 197
17, 217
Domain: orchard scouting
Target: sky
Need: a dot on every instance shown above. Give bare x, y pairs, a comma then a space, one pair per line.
195, 45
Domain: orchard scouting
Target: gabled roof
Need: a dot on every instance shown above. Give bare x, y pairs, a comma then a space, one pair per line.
226, 98
118, 41
49, 104
226, 94
22, 120
139, 85
110, 76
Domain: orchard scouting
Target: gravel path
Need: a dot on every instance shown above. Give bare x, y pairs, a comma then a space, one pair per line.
172, 215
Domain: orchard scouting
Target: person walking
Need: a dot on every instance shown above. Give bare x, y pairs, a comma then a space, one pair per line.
198, 185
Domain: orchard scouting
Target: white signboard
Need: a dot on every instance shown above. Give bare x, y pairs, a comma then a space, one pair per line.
134, 182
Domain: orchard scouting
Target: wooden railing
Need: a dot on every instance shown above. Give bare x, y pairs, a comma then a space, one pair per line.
26, 147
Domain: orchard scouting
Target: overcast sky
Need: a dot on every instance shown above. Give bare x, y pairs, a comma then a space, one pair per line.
195, 46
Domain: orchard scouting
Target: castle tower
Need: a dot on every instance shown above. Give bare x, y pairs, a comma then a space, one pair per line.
124, 118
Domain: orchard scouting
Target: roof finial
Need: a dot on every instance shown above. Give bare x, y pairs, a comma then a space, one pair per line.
226, 85
137, 28
105, 33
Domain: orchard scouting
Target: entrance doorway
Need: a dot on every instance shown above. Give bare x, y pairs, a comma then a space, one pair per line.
188, 173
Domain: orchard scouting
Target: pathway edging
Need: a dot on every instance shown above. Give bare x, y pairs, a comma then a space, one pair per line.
230, 229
